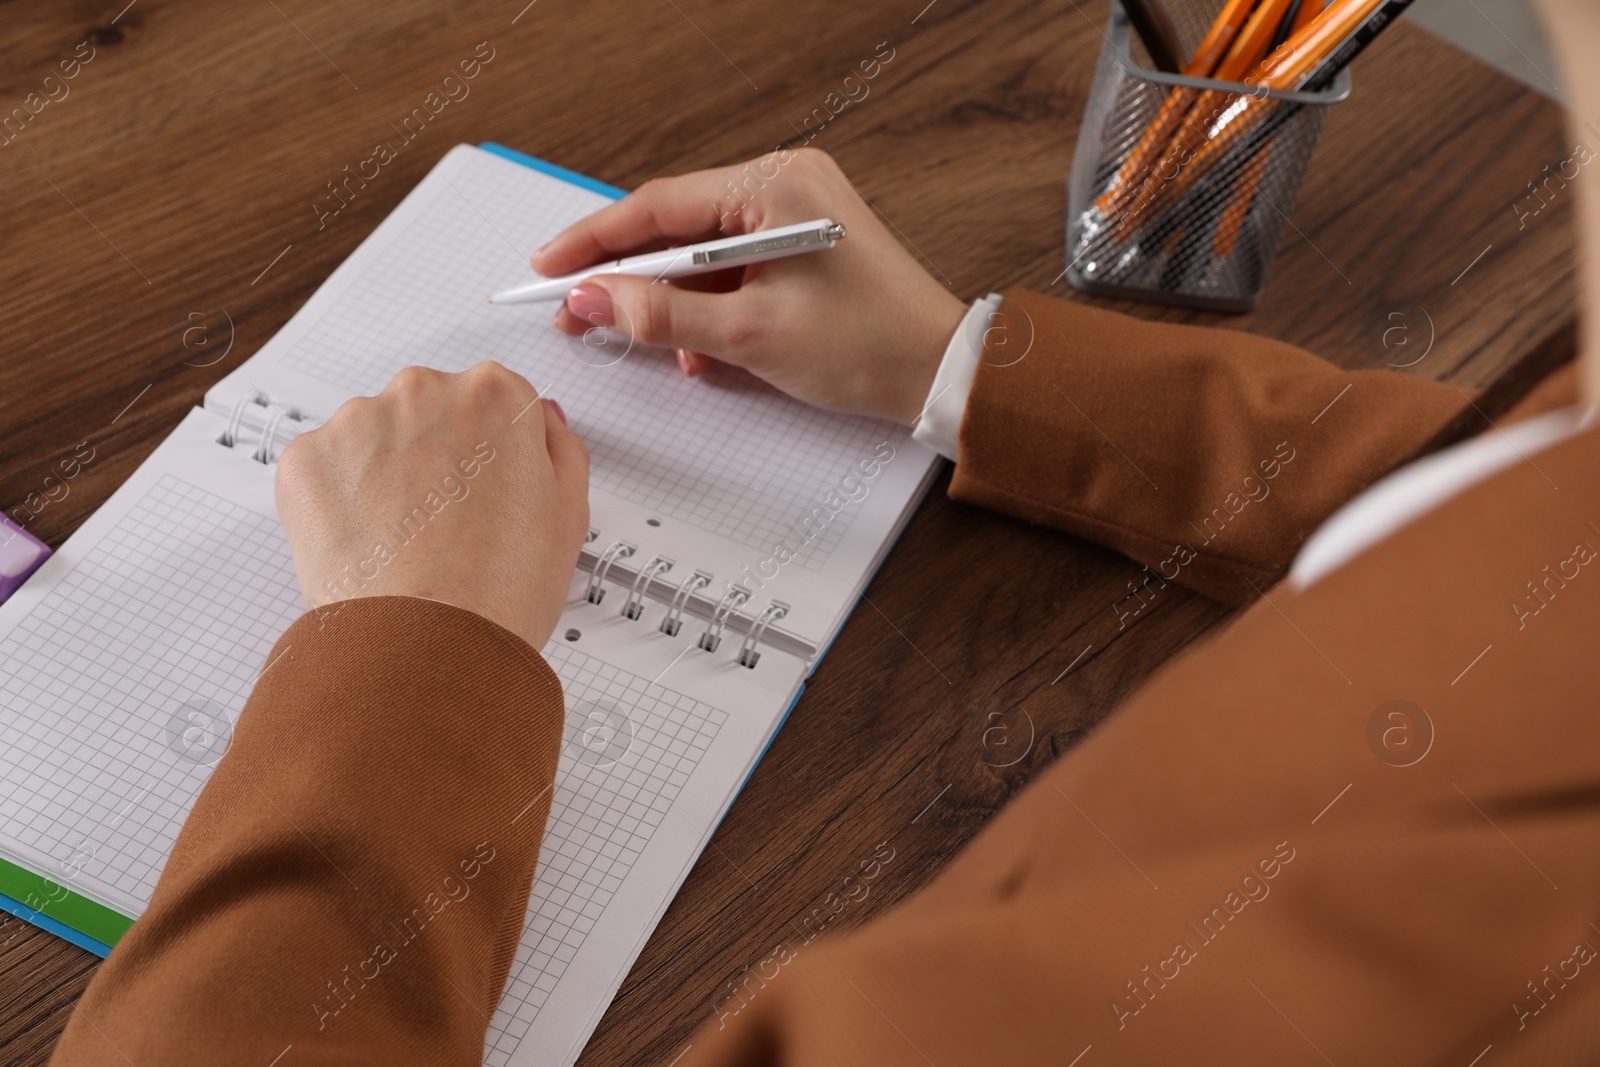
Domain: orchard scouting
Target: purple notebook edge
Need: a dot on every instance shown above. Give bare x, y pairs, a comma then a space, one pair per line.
20, 555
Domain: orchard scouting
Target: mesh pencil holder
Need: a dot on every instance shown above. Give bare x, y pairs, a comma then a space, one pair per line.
1181, 187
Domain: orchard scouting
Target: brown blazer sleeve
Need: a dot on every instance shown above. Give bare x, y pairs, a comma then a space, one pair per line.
1163, 441
351, 884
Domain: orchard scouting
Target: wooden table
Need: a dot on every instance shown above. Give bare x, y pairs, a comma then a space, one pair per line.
171, 192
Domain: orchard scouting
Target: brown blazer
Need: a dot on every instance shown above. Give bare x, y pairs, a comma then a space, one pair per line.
1233, 869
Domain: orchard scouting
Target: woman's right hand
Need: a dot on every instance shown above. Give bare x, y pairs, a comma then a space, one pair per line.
858, 328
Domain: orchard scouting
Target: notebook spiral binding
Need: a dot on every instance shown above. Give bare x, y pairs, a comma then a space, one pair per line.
265, 451
652, 579
674, 618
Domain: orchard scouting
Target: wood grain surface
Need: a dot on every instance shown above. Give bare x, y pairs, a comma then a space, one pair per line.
158, 227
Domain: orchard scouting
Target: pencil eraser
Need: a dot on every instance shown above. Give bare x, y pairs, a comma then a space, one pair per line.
20, 555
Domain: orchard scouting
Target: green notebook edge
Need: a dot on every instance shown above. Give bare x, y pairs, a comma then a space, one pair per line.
53, 907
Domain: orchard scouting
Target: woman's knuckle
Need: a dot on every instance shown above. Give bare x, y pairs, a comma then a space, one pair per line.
410, 380
654, 325
356, 410
740, 332
490, 378
291, 456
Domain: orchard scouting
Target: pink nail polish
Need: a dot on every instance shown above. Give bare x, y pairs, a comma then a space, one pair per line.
683, 360
592, 304
556, 407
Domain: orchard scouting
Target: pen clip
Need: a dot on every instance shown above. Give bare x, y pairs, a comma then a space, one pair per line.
760, 245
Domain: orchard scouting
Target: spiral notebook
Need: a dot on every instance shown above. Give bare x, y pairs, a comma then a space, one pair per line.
732, 532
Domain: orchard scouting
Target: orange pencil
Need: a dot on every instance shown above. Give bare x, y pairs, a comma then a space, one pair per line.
1202, 64
1247, 50
1250, 47
1287, 68
1309, 10
1291, 65
1219, 39
1231, 223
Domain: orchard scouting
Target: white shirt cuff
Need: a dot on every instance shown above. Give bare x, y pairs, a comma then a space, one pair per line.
939, 425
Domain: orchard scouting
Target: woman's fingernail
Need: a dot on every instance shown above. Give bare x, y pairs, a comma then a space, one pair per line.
592, 304
556, 407
683, 359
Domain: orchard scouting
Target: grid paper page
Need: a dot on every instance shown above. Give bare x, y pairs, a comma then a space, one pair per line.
171, 615
177, 605
629, 748
724, 452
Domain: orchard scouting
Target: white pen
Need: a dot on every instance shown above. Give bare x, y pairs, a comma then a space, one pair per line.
691, 259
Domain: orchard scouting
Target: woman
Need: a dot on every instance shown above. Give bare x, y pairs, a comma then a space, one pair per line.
1280, 889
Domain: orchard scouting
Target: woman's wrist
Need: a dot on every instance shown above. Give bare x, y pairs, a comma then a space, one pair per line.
916, 386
